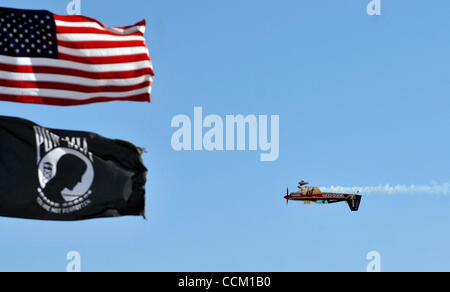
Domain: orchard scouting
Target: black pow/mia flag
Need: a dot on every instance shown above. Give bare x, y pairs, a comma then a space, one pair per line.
52, 174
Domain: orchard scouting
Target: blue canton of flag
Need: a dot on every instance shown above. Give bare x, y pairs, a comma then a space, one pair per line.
27, 34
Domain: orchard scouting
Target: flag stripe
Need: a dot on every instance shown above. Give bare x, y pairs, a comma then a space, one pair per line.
73, 80
74, 65
85, 30
82, 37
70, 102
72, 87
101, 45
140, 28
76, 20
105, 60
65, 72
67, 94
112, 52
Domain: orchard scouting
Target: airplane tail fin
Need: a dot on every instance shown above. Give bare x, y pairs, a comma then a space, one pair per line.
354, 203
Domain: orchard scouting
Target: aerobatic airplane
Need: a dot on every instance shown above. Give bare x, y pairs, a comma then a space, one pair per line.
313, 195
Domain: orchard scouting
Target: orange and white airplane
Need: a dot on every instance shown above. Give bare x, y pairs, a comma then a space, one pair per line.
313, 195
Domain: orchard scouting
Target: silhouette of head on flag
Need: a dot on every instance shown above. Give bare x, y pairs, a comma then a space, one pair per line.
69, 172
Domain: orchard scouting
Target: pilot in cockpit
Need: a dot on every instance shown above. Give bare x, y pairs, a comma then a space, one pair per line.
302, 186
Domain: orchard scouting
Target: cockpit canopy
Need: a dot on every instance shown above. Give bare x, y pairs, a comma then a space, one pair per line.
309, 191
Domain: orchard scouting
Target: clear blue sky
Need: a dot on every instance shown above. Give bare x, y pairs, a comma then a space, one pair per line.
362, 101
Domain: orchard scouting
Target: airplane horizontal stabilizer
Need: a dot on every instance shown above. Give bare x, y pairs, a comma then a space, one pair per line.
354, 203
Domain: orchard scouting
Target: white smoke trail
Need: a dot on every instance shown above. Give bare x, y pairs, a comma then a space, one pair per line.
434, 189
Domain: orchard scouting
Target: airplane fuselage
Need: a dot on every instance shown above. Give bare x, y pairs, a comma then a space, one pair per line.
323, 196
326, 198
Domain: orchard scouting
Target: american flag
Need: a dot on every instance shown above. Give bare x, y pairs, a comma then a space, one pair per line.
71, 60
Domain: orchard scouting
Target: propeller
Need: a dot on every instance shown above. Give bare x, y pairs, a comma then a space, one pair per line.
287, 196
